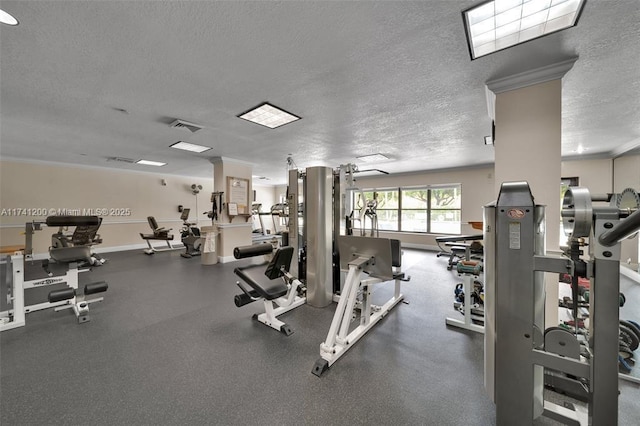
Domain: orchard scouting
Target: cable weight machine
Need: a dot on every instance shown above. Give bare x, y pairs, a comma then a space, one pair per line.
518, 345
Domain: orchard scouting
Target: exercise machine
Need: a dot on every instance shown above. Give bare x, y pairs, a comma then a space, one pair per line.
72, 296
270, 282
279, 217
369, 261
190, 235
83, 235
315, 231
257, 225
319, 204
460, 247
518, 345
159, 234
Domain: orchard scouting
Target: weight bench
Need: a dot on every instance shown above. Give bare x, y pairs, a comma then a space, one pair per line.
83, 235
73, 256
270, 282
159, 233
458, 248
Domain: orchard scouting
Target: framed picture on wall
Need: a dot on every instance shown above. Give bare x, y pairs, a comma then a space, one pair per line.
238, 194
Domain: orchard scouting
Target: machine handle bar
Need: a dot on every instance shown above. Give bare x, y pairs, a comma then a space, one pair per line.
622, 230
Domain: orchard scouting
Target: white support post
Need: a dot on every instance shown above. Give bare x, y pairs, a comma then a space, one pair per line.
350, 281
285, 303
17, 295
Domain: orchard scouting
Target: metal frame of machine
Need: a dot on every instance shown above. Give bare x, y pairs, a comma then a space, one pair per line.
315, 231
369, 261
518, 346
58, 299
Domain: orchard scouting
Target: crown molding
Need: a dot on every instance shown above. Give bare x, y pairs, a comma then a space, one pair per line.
623, 149
529, 78
219, 160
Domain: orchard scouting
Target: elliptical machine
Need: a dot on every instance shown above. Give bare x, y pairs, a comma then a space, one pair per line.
190, 236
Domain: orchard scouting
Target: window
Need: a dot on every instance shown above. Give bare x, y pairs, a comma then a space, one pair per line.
425, 209
444, 209
386, 209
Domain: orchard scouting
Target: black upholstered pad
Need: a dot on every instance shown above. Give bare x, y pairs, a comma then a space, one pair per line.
281, 259
255, 277
396, 253
70, 254
73, 220
455, 238
156, 237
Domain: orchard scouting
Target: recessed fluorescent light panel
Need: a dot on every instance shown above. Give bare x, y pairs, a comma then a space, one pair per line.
373, 158
499, 24
269, 116
6, 18
150, 163
190, 147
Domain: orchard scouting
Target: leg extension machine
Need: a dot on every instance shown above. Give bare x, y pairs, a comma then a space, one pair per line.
274, 285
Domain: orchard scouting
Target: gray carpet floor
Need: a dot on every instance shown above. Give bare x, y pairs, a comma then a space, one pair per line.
167, 346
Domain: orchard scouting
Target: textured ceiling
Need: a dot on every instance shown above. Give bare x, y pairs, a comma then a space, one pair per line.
366, 76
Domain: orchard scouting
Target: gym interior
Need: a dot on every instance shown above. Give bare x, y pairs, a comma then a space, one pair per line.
449, 236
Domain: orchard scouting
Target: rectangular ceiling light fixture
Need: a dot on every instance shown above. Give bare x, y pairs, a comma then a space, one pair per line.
373, 158
150, 163
190, 147
498, 24
269, 116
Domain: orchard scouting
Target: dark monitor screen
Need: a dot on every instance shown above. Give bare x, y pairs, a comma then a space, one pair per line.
185, 214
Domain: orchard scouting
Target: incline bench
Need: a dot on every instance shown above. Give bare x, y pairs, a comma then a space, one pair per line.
458, 246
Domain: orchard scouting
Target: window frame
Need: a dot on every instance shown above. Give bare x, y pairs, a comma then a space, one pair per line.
428, 210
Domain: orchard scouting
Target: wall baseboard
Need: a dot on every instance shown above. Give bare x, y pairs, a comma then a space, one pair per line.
112, 249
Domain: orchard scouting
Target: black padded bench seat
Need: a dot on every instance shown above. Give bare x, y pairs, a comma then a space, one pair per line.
459, 238
265, 287
156, 236
396, 258
456, 247
267, 283
71, 254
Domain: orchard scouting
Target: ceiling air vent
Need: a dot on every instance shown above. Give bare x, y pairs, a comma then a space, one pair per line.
181, 124
121, 159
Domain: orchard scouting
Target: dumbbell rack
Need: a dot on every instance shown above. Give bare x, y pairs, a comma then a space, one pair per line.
467, 286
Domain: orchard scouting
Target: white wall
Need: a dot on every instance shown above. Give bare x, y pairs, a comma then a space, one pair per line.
125, 199
596, 175
45, 186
